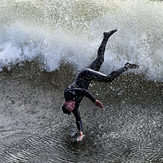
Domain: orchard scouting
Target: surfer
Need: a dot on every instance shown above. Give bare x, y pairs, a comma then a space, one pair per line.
78, 89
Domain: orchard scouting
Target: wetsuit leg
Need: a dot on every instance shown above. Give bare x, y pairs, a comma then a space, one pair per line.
96, 64
89, 74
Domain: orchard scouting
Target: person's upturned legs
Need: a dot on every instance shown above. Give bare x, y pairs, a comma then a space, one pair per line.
96, 64
89, 74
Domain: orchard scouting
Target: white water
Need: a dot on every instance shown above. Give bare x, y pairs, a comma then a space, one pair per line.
71, 31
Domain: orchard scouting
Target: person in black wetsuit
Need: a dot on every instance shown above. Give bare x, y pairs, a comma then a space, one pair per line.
78, 89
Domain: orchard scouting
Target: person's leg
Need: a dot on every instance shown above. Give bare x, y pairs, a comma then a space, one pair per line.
89, 74
96, 64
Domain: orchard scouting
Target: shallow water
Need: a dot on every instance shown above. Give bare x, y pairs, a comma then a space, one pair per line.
34, 129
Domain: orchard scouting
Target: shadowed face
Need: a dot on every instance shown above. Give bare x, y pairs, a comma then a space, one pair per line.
70, 105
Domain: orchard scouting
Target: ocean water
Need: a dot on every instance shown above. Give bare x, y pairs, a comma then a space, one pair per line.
44, 45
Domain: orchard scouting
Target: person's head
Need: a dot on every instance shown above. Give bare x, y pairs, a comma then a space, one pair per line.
68, 107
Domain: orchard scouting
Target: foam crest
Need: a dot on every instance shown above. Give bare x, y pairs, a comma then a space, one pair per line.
74, 37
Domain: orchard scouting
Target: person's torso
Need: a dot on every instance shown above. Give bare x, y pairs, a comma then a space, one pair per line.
72, 95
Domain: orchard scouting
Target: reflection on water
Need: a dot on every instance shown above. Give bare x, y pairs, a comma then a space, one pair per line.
33, 128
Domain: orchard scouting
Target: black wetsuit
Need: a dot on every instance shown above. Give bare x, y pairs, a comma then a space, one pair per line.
78, 89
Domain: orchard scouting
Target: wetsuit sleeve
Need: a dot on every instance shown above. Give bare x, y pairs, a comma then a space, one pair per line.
88, 95
78, 118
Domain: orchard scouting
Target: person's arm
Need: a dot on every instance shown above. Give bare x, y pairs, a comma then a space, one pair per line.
88, 95
79, 124
97, 102
84, 92
78, 118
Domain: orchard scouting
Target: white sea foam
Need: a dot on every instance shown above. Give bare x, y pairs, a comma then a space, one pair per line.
76, 40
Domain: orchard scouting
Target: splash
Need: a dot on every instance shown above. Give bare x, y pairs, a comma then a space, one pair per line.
71, 31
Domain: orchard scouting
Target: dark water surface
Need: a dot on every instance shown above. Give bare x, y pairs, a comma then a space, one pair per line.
33, 129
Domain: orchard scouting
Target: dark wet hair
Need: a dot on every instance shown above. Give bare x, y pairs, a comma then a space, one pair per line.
65, 110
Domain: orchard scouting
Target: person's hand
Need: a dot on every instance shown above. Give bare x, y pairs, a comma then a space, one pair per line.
80, 136
99, 104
